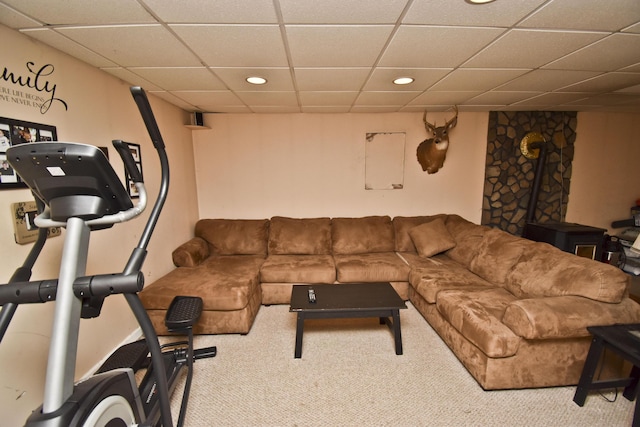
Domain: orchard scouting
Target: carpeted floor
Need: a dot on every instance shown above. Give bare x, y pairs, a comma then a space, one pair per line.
349, 375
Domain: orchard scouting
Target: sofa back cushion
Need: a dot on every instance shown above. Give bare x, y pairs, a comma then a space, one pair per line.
467, 236
234, 236
498, 252
547, 271
304, 236
431, 238
362, 235
401, 227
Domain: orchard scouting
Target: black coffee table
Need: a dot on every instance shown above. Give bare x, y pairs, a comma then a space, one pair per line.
623, 340
348, 300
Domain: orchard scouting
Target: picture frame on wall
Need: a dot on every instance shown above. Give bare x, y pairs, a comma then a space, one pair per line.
16, 132
137, 158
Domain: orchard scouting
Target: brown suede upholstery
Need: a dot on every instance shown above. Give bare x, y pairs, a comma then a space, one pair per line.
514, 311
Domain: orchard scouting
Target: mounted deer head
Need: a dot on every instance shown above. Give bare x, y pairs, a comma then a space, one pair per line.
432, 152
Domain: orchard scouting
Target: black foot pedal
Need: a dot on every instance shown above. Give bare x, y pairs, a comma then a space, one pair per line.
132, 355
183, 313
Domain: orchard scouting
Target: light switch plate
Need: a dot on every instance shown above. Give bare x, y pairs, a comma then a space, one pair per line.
24, 229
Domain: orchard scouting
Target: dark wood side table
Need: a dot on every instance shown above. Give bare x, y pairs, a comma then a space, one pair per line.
347, 300
623, 340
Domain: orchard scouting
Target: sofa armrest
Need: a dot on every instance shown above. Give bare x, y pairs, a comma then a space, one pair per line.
191, 253
565, 316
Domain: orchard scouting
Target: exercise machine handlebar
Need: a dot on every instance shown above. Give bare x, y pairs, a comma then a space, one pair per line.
84, 287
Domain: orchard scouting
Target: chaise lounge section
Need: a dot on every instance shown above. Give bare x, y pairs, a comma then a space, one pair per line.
513, 311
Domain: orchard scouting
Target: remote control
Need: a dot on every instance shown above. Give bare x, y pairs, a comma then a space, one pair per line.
312, 296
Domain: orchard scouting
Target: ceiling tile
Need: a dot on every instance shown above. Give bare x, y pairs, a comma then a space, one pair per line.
435, 47
609, 54
333, 79
476, 79
531, 48
341, 12
444, 98
136, 45
500, 98
447, 12
13, 19
218, 12
169, 97
274, 109
63, 44
327, 98
374, 108
235, 45
548, 99
605, 83
210, 101
325, 109
612, 15
385, 98
131, 78
288, 99
632, 89
382, 78
278, 79
180, 78
547, 80
332, 45
78, 12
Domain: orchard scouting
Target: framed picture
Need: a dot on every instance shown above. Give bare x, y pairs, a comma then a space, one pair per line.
137, 157
15, 132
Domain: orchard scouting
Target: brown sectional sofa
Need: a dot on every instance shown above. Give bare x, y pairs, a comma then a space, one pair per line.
513, 311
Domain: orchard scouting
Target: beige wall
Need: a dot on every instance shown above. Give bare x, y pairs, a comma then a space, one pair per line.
606, 169
305, 165
100, 108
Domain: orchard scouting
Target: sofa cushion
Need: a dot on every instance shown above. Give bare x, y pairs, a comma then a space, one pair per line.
191, 253
362, 235
371, 267
431, 238
429, 276
234, 236
223, 283
477, 315
548, 271
401, 227
298, 269
566, 316
498, 253
467, 236
305, 236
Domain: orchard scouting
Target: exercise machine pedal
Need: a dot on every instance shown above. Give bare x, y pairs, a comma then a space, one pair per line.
183, 313
132, 355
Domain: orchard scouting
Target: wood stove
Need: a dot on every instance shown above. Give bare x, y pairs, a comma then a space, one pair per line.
578, 239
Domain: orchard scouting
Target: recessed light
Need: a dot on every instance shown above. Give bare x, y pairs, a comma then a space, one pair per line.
254, 80
478, 1
403, 80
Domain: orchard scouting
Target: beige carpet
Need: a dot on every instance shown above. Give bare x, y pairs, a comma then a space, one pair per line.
349, 375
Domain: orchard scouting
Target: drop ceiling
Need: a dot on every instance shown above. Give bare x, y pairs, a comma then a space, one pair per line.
339, 56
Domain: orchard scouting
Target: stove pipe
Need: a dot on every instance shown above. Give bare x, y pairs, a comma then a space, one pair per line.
535, 190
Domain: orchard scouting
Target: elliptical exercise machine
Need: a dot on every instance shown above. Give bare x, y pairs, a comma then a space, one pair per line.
75, 187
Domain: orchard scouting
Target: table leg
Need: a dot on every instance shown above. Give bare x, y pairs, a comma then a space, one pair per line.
397, 335
590, 365
630, 391
299, 330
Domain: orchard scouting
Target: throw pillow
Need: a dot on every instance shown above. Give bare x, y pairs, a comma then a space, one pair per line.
431, 238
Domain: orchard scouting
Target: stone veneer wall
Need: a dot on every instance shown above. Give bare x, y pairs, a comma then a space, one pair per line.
509, 174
